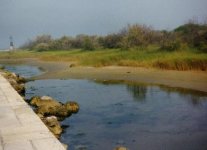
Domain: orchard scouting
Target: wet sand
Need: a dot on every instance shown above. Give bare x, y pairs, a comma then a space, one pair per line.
195, 80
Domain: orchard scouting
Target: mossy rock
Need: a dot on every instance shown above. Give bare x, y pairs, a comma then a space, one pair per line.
59, 111
53, 125
46, 106
73, 107
41, 101
16, 81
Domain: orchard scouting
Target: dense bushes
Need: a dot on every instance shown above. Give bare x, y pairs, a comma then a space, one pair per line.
133, 36
195, 35
137, 36
169, 41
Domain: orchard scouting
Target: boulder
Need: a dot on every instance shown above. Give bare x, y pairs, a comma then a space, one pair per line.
44, 101
53, 125
47, 110
21, 79
60, 111
46, 106
20, 88
50, 111
16, 81
72, 107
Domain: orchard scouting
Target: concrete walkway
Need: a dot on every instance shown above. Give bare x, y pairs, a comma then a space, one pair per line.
20, 127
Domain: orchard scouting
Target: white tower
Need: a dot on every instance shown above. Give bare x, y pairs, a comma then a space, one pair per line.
11, 43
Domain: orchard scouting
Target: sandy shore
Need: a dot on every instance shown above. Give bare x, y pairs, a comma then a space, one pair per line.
196, 80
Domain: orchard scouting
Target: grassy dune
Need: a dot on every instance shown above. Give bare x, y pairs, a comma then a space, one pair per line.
176, 60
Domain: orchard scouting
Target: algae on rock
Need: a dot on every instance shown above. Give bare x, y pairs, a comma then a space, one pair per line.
51, 111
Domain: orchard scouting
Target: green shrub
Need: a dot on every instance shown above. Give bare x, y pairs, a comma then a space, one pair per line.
170, 45
203, 47
42, 47
88, 44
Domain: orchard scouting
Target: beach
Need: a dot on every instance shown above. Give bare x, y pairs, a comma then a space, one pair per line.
193, 80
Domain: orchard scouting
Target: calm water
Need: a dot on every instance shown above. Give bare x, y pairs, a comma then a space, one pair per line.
23, 70
137, 116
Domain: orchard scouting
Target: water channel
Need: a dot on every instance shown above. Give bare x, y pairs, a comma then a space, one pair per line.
138, 116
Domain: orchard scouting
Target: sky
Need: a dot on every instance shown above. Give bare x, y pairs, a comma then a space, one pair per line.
25, 19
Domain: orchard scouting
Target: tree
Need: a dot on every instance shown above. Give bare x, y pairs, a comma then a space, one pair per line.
88, 44
43, 38
42, 47
111, 41
169, 41
137, 36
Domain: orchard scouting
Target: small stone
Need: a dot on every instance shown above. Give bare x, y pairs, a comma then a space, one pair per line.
121, 148
46, 98
53, 125
72, 65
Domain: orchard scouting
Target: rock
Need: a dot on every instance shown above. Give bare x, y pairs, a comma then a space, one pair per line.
65, 145
121, 148
73, 107
40, 116
12, 81
46, 98
63, 112
16, 81
53, 125
48, 110
46, 106
44, 101
21, 80
72, 65
60, 111
20, 88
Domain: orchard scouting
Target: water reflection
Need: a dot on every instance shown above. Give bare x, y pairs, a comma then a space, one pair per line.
193, 97
110, 113
137, 91
24, 70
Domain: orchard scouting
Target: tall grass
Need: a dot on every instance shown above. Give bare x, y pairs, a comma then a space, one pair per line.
151, 57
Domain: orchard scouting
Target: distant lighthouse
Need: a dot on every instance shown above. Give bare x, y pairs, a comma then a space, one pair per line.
11, 43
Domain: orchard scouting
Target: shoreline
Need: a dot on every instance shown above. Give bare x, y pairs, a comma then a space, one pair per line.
193, 80
18, 122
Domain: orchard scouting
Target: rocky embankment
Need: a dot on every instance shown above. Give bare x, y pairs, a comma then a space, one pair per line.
50, 111
17, 82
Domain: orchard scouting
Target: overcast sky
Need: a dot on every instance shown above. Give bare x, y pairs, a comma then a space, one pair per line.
24, 19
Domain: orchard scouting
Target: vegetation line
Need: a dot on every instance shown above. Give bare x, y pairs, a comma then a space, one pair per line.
184, 48
176, 60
